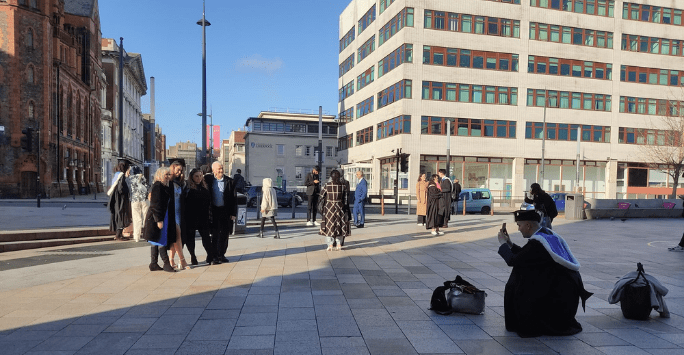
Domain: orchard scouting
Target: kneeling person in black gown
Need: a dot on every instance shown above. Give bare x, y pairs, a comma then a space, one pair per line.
545, 286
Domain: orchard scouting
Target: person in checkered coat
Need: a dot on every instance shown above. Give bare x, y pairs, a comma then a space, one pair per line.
335, 224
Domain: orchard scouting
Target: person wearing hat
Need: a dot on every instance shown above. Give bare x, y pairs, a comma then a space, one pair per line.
139, 202
120, 201
543, 203
545, 286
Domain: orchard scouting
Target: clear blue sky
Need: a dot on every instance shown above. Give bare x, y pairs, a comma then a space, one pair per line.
260, 55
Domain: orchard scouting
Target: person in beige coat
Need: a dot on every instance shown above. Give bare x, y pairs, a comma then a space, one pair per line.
421, 197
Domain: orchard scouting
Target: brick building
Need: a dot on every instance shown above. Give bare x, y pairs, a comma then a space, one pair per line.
50, 82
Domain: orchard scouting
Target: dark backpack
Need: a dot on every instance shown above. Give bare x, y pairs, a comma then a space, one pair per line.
438, 302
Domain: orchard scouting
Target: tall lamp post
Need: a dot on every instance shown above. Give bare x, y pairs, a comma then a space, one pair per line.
211, 135
204, 23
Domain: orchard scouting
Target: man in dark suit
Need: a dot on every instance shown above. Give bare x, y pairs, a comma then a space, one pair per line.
223, 210
445, 201
313, 188
360, 200
455, 193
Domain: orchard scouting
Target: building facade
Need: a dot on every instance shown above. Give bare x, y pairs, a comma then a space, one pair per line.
492, 72
50, 81
236, 151
281, 146
186, 150
134, 88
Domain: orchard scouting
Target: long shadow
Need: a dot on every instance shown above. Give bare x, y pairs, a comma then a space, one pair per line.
376, 302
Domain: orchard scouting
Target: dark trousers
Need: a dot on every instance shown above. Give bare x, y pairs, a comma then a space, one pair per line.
222, 227
421, 219
206, 242
273, 221
312, 207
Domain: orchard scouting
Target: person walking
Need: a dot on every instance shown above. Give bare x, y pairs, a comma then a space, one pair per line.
421, 197
176, 184
197, 214
360, 200
223, 210
313, 189
120, 201
269, 206
543, 204
435, 210
158, 219
456, 196
239, 182
139, 201
445, 202
335, 226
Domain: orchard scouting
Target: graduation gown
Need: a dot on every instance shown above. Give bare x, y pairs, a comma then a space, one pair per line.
435, 213
161, 209
121, 215
445, 203
541, 295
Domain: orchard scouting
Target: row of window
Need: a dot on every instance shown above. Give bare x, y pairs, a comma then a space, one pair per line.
384, 4
365, 78
307, 150
568, 100
652, 76
347, 65
653, 45
394, 93
364, 136
403, 19
467, 127
569, 67
364, 107
492, 26
465, 58
497, 95
347, 39
347, 90
291, 127
347, 115
645, 106
589, 7
571, 35
394, 126
403, 54
367, 19
346, 142
643, 136
366, 49
648, 13
567, 132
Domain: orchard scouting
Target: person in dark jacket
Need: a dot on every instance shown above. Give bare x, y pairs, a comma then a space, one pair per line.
335, 223
313, 189
197, 214
434, 218
445, 202
177, 185
456, 192
158, 220
545, 286
543, 203
120, 201
239, 181
223, 210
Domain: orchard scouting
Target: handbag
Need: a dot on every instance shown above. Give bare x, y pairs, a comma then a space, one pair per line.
463, 297
635, 300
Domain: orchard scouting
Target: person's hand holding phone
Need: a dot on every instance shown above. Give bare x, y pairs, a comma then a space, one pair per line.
503, 236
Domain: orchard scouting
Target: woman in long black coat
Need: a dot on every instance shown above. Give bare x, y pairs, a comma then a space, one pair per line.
120, 201
435, 214
158, 219
197, 215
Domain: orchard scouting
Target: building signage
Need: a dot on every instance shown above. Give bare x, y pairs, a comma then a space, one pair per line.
261, 145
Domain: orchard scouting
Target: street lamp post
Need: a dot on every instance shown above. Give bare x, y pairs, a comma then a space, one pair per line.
204, 23
211, 135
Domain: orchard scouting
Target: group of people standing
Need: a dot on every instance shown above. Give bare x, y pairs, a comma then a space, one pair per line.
435, 197
174, 210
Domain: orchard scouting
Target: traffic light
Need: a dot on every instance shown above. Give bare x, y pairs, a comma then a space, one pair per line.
403, 163
27, 139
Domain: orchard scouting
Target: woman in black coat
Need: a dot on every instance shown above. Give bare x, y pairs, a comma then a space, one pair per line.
435, 215
120, 201
197, 215
158, 219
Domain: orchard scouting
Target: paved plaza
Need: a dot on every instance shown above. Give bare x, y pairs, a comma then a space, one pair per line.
290, 296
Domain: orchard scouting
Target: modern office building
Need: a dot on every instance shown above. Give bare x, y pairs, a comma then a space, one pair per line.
281, 146
496, 71
186, 150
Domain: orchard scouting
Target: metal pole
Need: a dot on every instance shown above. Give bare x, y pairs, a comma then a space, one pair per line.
204, 86
38, 178
319, 163
577, 164
396, 184
59, 133
121, 68
546, 97
448, 147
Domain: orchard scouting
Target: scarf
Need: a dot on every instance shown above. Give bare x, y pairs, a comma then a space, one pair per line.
113, 187
557, 248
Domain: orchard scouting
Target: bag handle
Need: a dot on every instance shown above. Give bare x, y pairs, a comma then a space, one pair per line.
640, 273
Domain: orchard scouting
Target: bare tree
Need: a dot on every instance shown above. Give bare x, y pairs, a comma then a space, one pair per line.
664, 145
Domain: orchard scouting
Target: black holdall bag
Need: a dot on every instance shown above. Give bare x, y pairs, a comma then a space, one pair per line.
635, 300
461, 296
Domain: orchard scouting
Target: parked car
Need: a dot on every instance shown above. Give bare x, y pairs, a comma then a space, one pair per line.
284, 197
476, 200
558, 198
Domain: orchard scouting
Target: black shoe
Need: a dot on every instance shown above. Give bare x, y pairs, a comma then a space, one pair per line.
208, 261
216, 262
168, 268
223, 259
193, 260
155, 267
359, 226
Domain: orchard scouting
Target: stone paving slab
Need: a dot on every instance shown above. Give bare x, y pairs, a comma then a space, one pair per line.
290, 296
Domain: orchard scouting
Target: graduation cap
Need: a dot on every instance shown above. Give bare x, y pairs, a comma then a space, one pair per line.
530, 215
179, 160
124, 161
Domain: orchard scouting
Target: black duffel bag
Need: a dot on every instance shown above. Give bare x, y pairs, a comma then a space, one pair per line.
635, 300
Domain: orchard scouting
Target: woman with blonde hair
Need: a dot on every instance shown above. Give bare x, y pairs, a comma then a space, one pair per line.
269, 206
158, 220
